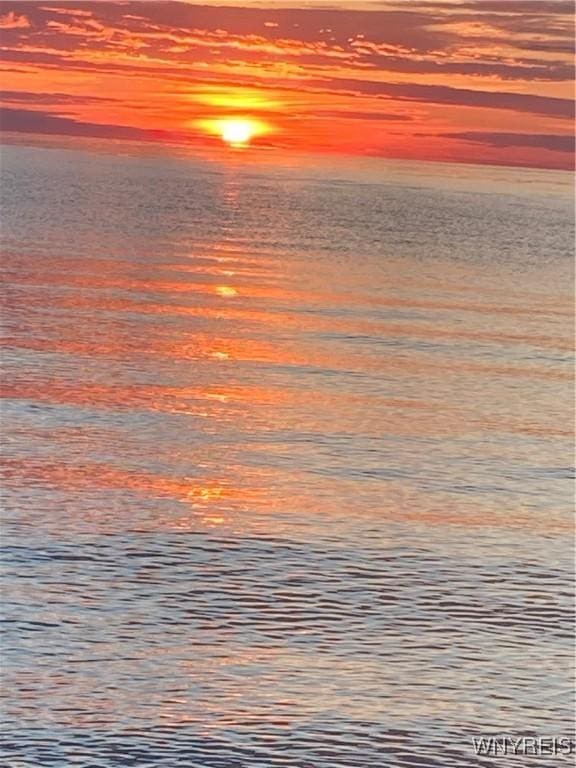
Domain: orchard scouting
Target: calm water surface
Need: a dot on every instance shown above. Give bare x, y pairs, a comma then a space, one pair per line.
287, 456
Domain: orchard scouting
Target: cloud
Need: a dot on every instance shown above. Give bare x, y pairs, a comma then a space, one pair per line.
32, 97
67, 11
11, 20
560, 7
552, 142
519, 69
355, 115
443, 94
420, 39
33, 121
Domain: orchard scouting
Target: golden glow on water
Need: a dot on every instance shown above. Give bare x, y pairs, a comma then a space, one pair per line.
264, 485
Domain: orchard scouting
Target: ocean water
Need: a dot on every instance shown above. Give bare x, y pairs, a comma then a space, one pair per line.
286, 461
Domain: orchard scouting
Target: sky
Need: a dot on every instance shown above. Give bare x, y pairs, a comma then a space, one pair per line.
474, 81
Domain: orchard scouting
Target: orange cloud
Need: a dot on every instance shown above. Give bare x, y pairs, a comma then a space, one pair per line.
11, 21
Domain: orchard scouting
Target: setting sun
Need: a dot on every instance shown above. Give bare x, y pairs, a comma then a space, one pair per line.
237, 131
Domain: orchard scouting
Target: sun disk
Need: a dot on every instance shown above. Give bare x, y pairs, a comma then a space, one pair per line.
237, 131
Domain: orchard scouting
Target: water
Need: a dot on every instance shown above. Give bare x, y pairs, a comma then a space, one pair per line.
287, 462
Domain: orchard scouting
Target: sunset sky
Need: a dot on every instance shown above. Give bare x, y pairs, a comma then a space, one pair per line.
487, 81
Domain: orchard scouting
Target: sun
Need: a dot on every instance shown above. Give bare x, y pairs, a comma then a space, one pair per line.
237, 132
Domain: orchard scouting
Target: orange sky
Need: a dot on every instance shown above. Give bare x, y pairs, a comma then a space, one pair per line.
458, 80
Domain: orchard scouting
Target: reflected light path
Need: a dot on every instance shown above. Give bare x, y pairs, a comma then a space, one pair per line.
287, 484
